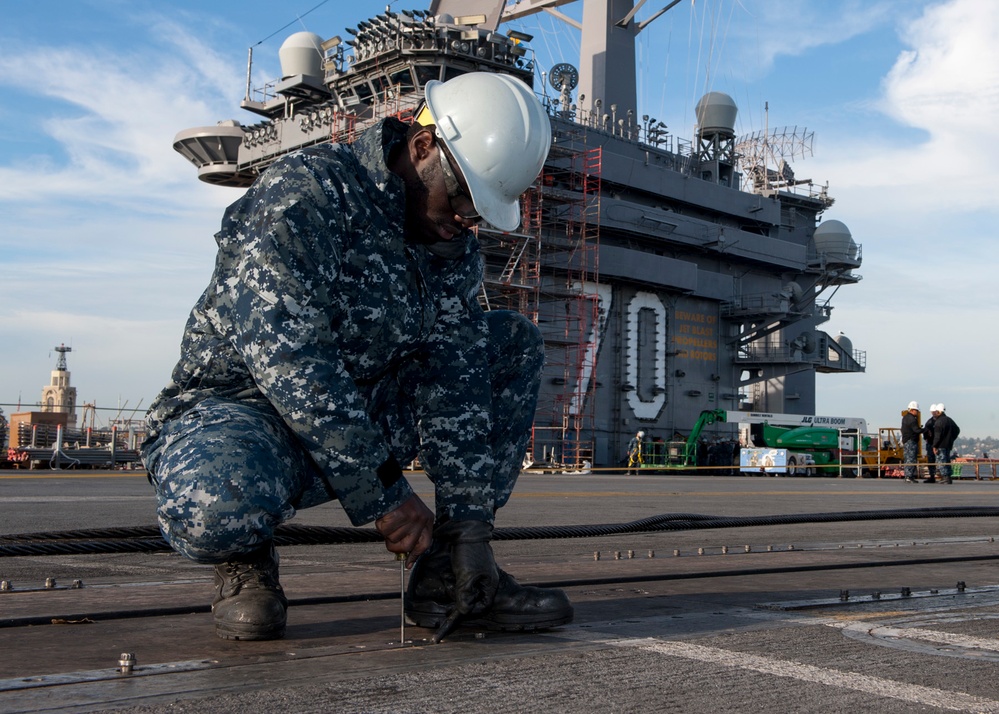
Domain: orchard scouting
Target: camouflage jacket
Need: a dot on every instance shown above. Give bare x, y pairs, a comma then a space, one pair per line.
315, 297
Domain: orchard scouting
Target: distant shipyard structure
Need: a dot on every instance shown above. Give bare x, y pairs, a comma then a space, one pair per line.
49, 437
668, 276
59, 396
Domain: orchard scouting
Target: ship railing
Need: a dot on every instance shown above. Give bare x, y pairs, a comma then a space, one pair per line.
774, 354
759, 304
648, 131
46, 436
791, 354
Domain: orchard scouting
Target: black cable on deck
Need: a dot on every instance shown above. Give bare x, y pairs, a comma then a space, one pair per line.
147, 539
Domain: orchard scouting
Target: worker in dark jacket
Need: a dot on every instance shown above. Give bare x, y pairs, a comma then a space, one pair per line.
911, 432
945, 433
928, 441
341, 336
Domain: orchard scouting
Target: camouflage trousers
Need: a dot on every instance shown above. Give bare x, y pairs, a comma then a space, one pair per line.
227, 473
943, 463
910, 450
931, 461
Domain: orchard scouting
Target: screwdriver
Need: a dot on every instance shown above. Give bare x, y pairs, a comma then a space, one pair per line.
401, 557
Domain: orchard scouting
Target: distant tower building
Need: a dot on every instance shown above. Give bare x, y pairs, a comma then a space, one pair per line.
59, 396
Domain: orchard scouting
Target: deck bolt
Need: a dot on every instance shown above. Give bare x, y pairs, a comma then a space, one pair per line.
748, 548
126, 662
876, 595
961, 586
50, 583
770, 549
700, 551
77, 584
631, 554
724, 549
5, 585
596, 555
676, 552
652, 554
791, 547
844, 595
617, 555
906, 592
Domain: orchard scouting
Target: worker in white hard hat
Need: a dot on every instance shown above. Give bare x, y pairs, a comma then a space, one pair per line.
494, 136
635, 455
340, 337
927, 432
945, 433
911, 431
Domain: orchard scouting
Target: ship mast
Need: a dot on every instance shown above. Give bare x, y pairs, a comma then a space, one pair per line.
607, 83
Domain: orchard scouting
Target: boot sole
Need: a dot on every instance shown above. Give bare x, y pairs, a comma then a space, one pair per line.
249, 632
432, 616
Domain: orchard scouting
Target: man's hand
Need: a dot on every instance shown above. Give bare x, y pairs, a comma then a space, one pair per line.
407, 529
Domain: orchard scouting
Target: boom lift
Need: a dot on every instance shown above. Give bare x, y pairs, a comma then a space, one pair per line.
680, 453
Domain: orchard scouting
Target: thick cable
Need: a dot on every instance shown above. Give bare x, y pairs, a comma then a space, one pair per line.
147, 539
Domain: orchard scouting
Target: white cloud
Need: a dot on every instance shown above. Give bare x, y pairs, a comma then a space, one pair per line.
107, 234
116, 118
925, 209
947, 85
758, 33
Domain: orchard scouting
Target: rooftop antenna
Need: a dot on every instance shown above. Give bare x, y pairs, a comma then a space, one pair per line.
61, 360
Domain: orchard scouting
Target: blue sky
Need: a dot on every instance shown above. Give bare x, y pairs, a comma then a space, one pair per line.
106, 234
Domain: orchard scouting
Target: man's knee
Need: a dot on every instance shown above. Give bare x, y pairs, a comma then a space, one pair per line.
512, 333
224, 479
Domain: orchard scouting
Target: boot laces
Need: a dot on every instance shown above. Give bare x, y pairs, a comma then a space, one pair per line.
250, 576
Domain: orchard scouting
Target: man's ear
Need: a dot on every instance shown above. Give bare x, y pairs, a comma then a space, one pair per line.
421, 144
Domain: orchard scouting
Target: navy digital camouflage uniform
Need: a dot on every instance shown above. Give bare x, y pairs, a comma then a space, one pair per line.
945, 433
326, 351
910, 443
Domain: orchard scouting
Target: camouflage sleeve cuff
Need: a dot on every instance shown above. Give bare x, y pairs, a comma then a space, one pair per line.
366, 510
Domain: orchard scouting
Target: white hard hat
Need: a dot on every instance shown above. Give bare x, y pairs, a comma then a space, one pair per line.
641, 434
499, 135
940, 407
913, 405
934, 408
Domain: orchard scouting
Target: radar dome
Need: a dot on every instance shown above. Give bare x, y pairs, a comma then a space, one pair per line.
845, 342
301, 53
833, 240
716, 114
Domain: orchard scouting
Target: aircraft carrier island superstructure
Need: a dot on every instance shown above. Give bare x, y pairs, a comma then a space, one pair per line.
668, 276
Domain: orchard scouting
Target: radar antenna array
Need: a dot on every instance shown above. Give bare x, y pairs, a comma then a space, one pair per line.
776, 147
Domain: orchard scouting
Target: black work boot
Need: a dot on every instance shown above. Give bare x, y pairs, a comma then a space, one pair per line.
430, 599
249, 602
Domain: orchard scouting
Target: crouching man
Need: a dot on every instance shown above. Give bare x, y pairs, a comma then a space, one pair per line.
341, 336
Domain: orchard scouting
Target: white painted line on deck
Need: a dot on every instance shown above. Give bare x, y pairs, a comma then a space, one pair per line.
919, 633
903, 691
